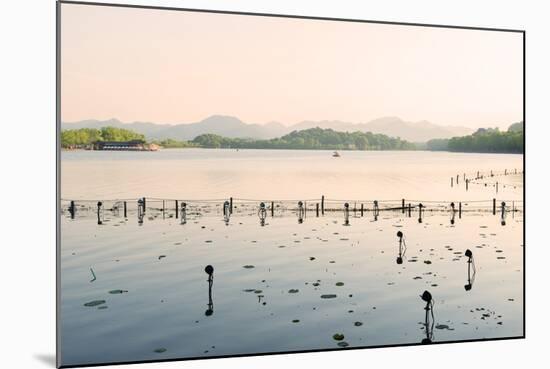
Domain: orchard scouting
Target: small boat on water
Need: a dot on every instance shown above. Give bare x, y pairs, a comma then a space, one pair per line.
335, 154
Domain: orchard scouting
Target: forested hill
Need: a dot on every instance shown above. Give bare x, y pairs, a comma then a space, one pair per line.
311, 139
484, 140
308, 139
86, 136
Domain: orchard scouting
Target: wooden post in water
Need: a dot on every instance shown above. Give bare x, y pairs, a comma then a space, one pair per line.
459, 210
464, 177
177, 209
354, 208
144, 206
317, 210
323, 205
410, 209
72, 209
125, 210
402, 206
361, 209
163, 208
496, 186
457, 179
99, 203
467, 182
477, 177
452, 179
494, 206
231, 205
272, 209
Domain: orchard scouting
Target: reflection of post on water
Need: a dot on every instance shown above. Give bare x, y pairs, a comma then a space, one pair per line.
429, 317
141, 211
402, 247
471, 270
183, 213
346, 214
262, 214
453, 213
420, 206
116, 208
209, 269
226, 212
300, 212
376, 210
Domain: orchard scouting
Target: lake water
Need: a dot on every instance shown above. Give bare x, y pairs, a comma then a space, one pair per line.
282, 174
137, 290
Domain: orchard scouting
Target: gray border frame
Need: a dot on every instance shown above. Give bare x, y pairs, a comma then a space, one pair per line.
58, 174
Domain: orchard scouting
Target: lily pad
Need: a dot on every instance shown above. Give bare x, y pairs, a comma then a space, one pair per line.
339, 284
114, 292
293, 290
357, 324
338, 336
248, 266
94, 303
444, 326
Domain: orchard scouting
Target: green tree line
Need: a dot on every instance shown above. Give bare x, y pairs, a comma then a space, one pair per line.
86, 136
310, 139
484, 140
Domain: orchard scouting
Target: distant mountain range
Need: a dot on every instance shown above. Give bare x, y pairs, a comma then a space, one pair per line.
232, 127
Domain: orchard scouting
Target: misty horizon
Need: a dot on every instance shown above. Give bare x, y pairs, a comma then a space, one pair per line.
158, 66
500, 125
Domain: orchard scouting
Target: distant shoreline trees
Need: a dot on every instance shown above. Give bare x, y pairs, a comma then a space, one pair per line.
484, 140
309, 139
85, 137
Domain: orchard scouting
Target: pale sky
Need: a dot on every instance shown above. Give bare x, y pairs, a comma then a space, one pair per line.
181, 67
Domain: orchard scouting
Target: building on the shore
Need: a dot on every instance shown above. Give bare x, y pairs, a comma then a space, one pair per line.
132, 145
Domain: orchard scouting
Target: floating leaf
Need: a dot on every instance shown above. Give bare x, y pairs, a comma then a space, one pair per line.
114, 292
329, 296
339, 284
248, 266
338, 336
94, 303
293, 290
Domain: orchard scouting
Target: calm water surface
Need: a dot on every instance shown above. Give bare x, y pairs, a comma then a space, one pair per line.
133, 291
281, 174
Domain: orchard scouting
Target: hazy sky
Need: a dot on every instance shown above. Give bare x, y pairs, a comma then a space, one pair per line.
181, 67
